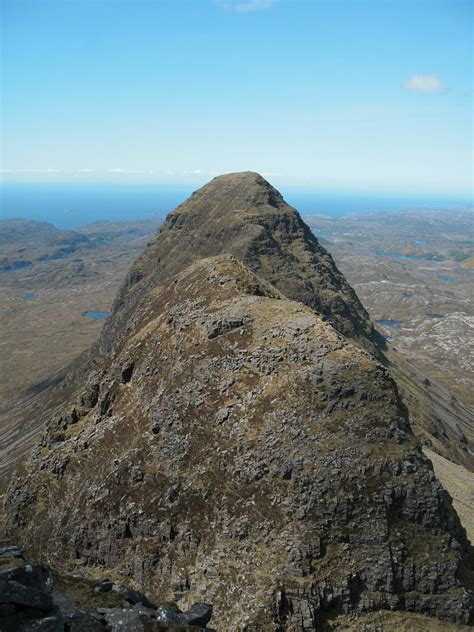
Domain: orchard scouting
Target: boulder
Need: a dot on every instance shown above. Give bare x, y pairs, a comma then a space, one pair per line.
132, 596
169, 613
37, 576
12, 592
73, 617
199, 614
120, 620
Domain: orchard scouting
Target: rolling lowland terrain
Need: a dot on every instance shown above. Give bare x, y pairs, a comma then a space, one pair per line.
267, 370
414, 271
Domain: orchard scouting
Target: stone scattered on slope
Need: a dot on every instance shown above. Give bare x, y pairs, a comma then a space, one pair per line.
28, 604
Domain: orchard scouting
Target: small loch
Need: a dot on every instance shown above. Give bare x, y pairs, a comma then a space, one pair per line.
389, 322
93, 314
18, 266
29, 296
443, 277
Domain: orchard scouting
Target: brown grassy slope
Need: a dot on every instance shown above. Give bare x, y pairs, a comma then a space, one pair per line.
385, 621
459, 482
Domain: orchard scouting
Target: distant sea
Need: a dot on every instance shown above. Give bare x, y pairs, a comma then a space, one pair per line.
70, 205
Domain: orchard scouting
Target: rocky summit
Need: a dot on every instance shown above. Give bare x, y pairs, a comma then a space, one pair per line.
243, 215
226, 443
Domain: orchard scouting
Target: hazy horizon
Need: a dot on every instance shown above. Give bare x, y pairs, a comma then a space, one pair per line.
67, 205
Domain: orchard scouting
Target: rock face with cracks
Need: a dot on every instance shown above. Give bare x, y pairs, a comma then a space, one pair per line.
235, 449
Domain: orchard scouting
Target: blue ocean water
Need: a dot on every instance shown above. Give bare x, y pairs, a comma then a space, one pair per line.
69, 205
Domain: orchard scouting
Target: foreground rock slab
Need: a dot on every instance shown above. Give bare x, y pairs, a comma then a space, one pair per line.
28, 604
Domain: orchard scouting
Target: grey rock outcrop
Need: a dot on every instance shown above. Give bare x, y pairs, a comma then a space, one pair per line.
28, 603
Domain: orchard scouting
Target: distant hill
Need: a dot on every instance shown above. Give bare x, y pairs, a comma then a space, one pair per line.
25, 242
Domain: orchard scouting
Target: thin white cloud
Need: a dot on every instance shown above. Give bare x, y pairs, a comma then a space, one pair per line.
118, 170
86, 171
424, 83
41, 170
198, 172
246, 6
30, 171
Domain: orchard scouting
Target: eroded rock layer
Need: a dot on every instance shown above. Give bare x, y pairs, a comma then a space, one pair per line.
235, 449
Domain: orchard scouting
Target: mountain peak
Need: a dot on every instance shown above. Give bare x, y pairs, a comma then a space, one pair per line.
229, 445
242, 214
239, 179
240, 191
241, 176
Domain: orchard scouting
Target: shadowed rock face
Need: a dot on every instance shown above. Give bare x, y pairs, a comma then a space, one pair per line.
235, 449
243, 215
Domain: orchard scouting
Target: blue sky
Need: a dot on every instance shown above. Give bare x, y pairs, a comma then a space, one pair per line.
342, 94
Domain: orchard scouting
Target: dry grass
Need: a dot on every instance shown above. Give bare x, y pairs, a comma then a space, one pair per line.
386, 621
468, 263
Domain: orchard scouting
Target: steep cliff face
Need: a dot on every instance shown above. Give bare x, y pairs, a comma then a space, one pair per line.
235, 449
243, 215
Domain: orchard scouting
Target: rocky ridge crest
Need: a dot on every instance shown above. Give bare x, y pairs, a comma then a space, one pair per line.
243, 215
